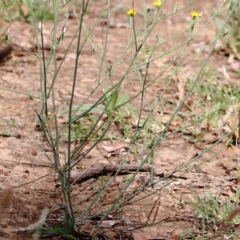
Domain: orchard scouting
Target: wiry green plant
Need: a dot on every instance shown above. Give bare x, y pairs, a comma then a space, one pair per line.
217, 215
21, 9
112, 100
232, 32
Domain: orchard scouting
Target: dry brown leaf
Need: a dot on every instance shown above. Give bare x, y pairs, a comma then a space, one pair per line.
25, 10
231, 119
235, 66
69, 56
180, 88
141, 236
9, 77
210, 138
114, 147
108, 223
230, 193
232, 214
166, 118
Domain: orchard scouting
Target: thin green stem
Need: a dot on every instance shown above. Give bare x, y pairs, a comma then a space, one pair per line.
134, 32
68, 167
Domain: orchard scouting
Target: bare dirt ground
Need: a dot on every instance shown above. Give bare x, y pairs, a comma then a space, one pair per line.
23, 160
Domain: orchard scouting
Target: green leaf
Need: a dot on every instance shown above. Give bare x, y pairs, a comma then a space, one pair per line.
60, 230
122, 99
228, 5
112, 101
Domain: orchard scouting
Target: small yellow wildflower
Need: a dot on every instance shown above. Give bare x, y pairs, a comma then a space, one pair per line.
157, 3
132, 12
196, 14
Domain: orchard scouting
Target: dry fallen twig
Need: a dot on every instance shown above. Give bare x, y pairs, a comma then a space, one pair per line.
101, 170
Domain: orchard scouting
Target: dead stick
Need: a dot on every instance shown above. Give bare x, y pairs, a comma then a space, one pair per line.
102, 170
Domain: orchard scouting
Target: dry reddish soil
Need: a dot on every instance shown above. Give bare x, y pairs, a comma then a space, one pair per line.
25, 169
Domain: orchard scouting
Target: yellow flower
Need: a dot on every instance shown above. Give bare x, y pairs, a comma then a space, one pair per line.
132, 12
157, 3
196, 14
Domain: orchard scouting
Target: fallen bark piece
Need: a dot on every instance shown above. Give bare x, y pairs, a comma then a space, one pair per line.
98, 170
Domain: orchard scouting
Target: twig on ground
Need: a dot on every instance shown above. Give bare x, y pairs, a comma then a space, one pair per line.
100, 170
